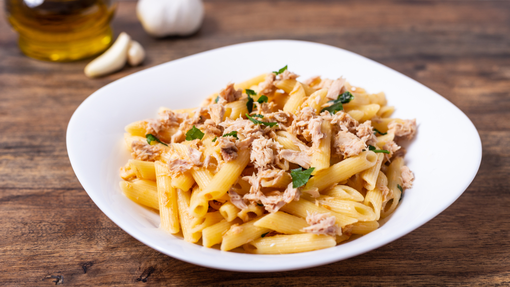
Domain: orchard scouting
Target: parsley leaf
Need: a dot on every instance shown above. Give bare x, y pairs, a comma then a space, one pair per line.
372, 148
151, 138
402, 192
257, 122
262, 99
345, 98
215, 138
280, 71
338, 103
249, 104
231, 134
194, 134
264, 235
400, 187
376, 131
258, 116
300, 177
217, 99
337, 106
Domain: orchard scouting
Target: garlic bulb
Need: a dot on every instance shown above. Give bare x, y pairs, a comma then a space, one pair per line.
136, 54
170, 17
111, 60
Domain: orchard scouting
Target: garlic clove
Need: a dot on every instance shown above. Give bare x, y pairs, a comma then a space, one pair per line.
111, 60
162, 18
136, 54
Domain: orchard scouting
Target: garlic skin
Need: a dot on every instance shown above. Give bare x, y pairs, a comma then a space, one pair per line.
170, 17
136, 54
111, 60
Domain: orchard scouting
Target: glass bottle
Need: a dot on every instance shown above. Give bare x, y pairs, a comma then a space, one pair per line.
61, 30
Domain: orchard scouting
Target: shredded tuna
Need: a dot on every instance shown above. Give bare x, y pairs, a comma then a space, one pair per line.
405, 130
273, 203
210, 127
195, 156
287, 75
366, 133
207, 161
347, 144
392, 147
335, 88
315, 130
282, 118
178, 166
228, 148
267, 87
325, 84
263, 153
167, 120
407, 177
264, 108
291, 194
301, 123
386, 193
300, 158
310, 80
178, 137
217, 112
145, 151
322, 223
246, 130
236, 199
342, 120
229, 94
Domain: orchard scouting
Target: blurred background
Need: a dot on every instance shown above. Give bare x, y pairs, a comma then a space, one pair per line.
460, 49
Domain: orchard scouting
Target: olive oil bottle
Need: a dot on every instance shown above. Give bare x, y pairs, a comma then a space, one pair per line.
61, 30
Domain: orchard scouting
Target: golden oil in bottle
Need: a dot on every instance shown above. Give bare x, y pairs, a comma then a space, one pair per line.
61, 30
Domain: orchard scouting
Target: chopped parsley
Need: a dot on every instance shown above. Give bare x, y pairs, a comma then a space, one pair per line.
372, 148
194, 134
217, 99
280, 71
151, 138
258, 116
215, 138
300, 177
257, 122
402, 192
264, 235
400, 187
376, 131
262, 99
231, 134
249, 104
338, 103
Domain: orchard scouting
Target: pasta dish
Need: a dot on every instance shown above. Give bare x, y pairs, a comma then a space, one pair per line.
271, 165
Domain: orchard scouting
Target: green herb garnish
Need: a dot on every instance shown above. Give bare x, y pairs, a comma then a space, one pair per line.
231, 134
264, 235
151, 138
401, 192
376, 131
338, 103
400, 187
372, 148
249, 103
262, 99
217, 99
280, 71
257, 122
300, 177
194, 134
258, 116
215, 138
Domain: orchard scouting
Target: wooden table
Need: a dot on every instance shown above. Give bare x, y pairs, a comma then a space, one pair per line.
50, 230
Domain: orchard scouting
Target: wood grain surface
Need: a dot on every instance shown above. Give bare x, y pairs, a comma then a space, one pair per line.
52, 233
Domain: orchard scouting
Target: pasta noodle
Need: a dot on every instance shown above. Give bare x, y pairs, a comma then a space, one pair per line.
271, 165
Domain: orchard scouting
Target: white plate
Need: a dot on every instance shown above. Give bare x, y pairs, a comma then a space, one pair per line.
444, 156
